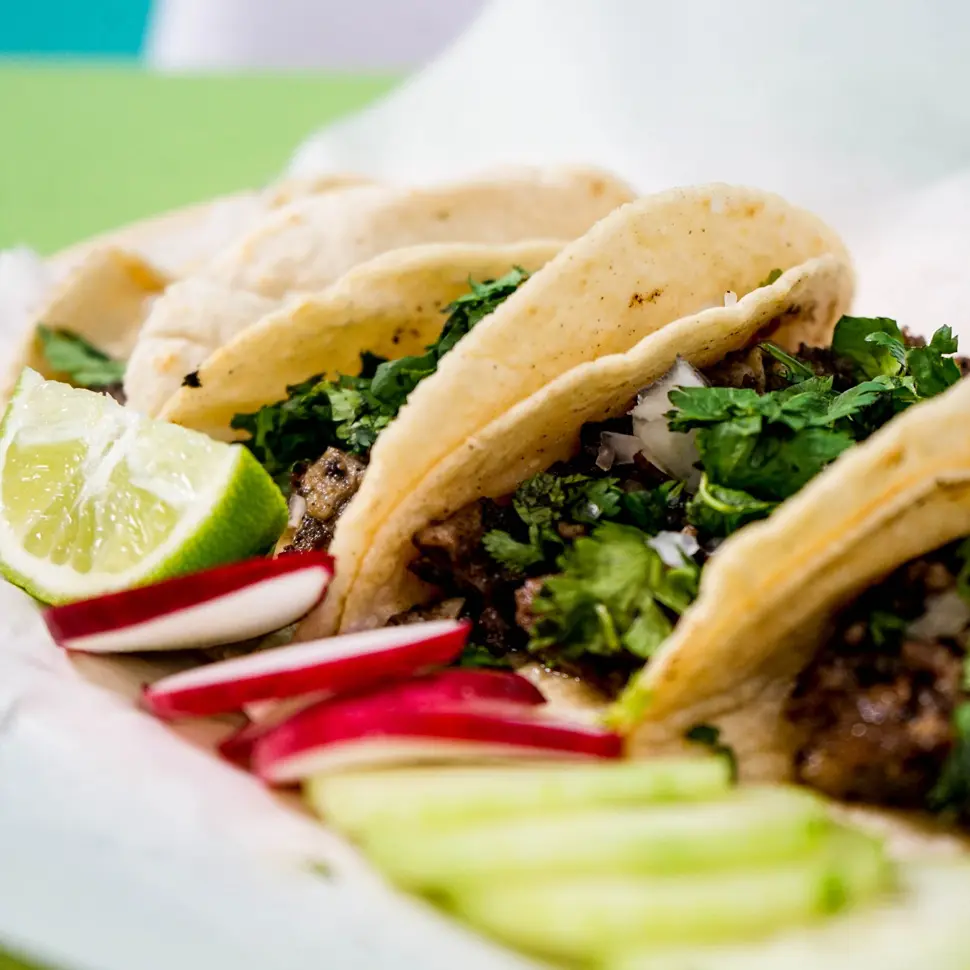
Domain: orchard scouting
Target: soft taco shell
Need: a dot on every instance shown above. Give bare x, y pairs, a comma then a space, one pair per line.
104, 299
310, 244
768, 596
181, 241
392, 306
653, 262
190, 320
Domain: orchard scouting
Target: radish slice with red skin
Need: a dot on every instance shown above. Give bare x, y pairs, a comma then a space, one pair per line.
336, 665
206, 609
383, 729
448, 688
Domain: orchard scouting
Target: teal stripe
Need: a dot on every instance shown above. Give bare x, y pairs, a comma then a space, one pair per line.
102, 27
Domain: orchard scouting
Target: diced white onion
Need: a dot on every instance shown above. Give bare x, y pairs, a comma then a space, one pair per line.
674, 453
947, 615
730, 298
616, 449
674, 547
297, 511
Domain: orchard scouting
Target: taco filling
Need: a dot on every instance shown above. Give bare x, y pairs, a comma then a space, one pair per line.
883, 712
587, 566
83, 364
317, 441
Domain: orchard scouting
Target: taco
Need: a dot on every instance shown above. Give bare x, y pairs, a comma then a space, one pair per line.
560, 548
308, 246
649, 268
82, 309
390, 306
828, 645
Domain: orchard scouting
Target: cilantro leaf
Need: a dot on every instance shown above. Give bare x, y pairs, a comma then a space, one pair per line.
774, 275
710, 737
514, 555
82, 362
872, 344
609, 596
795, 369
351, 411
932, 371
951, 794
718, 511
655, 509
886, 628
475, 655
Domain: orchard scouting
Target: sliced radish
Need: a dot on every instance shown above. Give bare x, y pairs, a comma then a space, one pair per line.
446, 688
388, 727
224, 605
334, 665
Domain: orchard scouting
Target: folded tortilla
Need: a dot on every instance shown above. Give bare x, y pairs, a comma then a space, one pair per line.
662, 259
307, 246
770, 593
390, 306
311, 243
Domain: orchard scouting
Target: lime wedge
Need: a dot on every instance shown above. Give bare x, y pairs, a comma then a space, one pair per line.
95, 498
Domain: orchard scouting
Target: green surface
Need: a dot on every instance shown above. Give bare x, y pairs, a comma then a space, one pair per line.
88, 148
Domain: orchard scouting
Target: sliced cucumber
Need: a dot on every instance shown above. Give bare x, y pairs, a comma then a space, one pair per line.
745, 829
374, 801
592, 918
925, 928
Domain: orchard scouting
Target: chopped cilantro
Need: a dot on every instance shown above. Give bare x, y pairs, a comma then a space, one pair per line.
951, 794
350, 412
794, 368
963, 576
475, 655
710, 737
547, 499
772, 277
759, 449
886, 628
613, 594
82, 362
877, 349
717, 511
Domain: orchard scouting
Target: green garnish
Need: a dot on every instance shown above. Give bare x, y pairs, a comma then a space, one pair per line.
350, 412
758, 449
951, 794
475, 655
81, 361
710, 737
613, 594
774, 275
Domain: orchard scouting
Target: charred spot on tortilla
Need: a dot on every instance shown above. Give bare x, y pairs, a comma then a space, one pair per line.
191, 380
638, 299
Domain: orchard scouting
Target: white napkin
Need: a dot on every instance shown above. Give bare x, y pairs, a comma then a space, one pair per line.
851, 109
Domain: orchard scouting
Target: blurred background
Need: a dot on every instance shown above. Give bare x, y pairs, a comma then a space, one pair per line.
113, 109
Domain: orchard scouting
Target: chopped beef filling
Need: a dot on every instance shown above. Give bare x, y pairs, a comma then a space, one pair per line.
876, 707
327, 485
117, 392
451, 557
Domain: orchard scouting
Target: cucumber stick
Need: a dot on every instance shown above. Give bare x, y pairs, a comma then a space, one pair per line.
376, 801
594, 918
747, 829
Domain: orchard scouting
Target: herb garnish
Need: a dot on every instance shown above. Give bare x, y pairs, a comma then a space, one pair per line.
613, 593
951, 794
710, 737
349, 412
82, 362
756, 450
